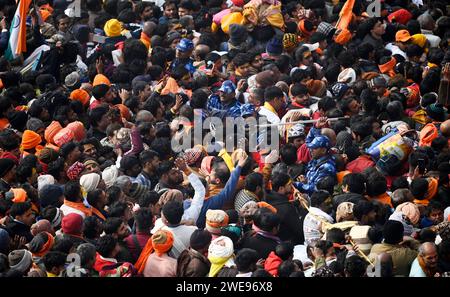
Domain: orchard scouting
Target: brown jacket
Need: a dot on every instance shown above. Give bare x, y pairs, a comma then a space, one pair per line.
402, 257
192, 264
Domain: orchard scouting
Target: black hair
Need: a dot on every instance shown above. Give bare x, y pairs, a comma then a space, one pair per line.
273, 92
143, 219
393, 232
299, 89
106, 245
254, 180
245, 258
118, 209
112, 225
286, 268
419, 188
199, 99
90, 227
261, 273
400, 182
363, 207
355, 266
128, 162
335, 235
319, 197
356, 183
376, 185
266, 220
54, 259
241, 59
173, 211
87, 253
148, 198
72, 191
221, 170
93, 196
284, 250
288, 154
327, 183
162, 145
18, 209
279, 180
96, 114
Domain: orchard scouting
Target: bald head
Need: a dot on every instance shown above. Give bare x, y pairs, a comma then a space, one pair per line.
144, 116
330, 134
427, 248
149, 27
445, 128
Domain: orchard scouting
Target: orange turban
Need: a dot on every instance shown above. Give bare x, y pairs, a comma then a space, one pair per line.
78, 130
124, 111
80, 95
100, 79
30, 140
343, 37
161, 242
303, 30
64, 136
340, 175
20, 195
263, 204
46, 247
51, 131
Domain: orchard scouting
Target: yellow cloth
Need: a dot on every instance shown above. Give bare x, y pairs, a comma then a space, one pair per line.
216, 264
49, 274
113, 28
258, 13
232, 18
421, 117
270, 107
419, 39
227, 158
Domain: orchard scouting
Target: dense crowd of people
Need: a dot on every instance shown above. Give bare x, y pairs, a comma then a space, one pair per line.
355, 181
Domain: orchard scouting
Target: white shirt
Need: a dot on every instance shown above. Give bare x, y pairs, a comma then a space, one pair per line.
181, 238
68, 210
433, 39
396, 50
271, 117
312, 227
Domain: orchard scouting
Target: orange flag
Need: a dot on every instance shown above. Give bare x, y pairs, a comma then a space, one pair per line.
345, 16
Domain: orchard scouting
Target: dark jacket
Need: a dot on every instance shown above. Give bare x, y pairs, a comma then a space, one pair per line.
17, 228
347, 197
192, 264
291, 218
263, 245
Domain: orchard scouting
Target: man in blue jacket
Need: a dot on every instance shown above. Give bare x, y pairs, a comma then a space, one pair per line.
219, 175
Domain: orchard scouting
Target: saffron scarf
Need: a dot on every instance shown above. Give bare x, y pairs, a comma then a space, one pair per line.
388, 68
432, 190
270, 107
78, 206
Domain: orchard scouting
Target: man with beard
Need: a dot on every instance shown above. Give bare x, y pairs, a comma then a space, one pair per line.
225, 103
150, 162
89, 148
169, 177
119, 229
253, 190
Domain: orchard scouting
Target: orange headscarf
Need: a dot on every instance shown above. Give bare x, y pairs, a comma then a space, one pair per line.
100, 79
432, 190
46, 247
388, 68
124, 111
80, 95
303, 30
341, 174
30, 140
20, 195
263, 204
64, 135
161, 242
51, 131
383, 198
428, 133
